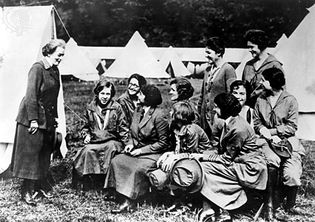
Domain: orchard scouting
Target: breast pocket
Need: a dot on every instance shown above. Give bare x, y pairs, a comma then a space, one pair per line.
112, 122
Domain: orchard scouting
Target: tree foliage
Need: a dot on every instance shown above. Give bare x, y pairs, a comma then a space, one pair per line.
173, 22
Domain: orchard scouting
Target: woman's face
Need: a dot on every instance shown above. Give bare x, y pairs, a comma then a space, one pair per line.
133, 86
217, 110
240, 93
173, 92
266, 84
253, 49
212, 56
104, 96
57, 56
141, 97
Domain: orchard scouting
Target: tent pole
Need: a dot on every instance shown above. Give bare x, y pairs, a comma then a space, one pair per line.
53, 24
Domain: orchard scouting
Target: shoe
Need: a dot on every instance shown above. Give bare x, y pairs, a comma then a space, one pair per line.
281, 215
206, 215
174, 207
109, 197
222, 216
126, 207
46, 194
28, 199
294, 211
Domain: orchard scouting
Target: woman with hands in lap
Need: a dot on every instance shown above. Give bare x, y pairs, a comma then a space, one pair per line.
148, 139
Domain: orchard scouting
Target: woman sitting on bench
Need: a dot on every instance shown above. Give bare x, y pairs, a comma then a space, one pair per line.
239, 162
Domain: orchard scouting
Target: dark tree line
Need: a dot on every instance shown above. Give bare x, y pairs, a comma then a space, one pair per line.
180, 23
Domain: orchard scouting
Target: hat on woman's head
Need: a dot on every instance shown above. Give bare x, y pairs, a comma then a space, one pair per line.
187, 174
228, 104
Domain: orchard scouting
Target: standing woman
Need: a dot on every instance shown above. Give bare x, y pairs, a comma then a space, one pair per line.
36, 122
215, 81
257, 43
148, 140
129, 100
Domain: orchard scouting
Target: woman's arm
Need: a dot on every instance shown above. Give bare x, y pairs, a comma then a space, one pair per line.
35, 78
161, 127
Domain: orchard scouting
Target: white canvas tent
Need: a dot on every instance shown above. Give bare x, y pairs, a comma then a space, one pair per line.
95, 53
24, 30
297, 55
76, 63
136, 58
170, 60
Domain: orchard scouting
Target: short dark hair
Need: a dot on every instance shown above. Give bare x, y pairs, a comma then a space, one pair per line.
275, 76
216, 44
228, 104
183, 112
142, 81
52, 45
258, 37
237, 83
152, 95
104, 84
184, 88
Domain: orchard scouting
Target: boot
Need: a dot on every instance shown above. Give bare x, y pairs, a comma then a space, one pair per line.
43, 188
269, 198
27, 192
127, 206
291, 199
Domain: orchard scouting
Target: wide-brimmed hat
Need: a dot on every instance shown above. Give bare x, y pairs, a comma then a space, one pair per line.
283, 148
158, 178
186, 174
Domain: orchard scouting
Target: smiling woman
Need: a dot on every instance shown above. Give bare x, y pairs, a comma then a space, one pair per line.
129, 100
36, 123
105, 132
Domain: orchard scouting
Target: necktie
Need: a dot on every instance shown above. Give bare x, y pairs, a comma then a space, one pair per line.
141, 114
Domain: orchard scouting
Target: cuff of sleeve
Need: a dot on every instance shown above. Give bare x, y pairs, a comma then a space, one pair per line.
273, 131
146, 149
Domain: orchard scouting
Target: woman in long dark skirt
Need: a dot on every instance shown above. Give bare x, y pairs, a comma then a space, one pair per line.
36, 123
128, 173
105, 133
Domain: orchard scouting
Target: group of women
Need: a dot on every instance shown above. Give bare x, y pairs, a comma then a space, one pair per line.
219, 148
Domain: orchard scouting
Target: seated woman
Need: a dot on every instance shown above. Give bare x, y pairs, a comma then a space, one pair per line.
182, 90
105, 133
238, 164
129, 100
187, 137
239, 89
276, 118
147, 141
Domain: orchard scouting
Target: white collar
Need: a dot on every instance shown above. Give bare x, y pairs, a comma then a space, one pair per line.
227, 121
48, 60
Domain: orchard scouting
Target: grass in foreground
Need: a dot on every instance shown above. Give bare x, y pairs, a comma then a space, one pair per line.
90, 206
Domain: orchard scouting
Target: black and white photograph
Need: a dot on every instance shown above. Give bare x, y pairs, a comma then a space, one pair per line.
157, 110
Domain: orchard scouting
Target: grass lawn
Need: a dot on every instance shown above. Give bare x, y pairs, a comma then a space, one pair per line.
69, 205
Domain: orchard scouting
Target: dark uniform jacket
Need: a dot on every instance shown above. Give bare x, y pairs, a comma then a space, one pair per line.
40, 100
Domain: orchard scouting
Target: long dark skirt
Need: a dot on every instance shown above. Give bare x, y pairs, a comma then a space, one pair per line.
96, 158
129, 175
31, 153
